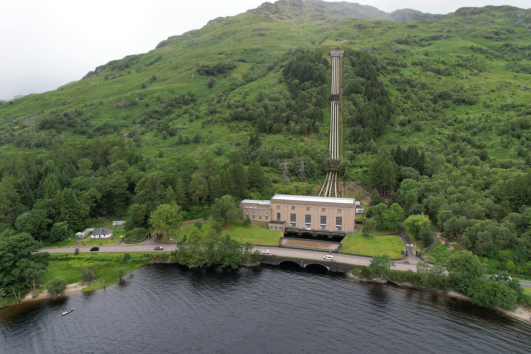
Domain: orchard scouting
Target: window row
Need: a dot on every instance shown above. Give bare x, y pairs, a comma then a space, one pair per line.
259, 215
308, 221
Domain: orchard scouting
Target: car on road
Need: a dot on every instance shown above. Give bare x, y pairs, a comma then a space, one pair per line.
329, 257
266, 252
94, 249
121, 239
159, 248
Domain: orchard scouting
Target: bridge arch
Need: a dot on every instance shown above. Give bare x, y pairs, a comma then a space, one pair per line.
290, 264
317, 267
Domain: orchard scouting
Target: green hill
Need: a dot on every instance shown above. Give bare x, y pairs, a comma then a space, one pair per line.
453, 91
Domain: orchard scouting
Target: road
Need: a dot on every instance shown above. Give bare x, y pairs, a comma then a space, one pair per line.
149, 245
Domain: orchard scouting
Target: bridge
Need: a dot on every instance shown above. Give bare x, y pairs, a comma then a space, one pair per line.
331, 266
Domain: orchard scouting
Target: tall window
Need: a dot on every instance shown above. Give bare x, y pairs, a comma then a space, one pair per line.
260, 215
267, 215
323, 222
292, 207
293, 220
278, 216
339, 210
278, 206
253, 214
339, 223
323, 209
308, 221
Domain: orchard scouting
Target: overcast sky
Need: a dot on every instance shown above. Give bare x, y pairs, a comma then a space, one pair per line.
47, 43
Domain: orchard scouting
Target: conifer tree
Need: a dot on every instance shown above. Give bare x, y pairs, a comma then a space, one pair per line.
255, 176
170, 195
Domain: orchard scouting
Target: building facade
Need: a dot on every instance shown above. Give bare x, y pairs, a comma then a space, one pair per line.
301, 213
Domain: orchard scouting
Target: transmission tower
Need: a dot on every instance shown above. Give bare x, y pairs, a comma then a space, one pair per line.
31, 122
302, 170
284, 166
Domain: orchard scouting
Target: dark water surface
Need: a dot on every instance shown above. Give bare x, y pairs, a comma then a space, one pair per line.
169, 309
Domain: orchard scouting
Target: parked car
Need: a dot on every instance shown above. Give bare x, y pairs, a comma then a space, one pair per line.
266, 252
121, 239
159, 248
329, 257
94, 249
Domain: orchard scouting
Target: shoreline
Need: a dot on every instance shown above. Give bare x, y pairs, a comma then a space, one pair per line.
520, 313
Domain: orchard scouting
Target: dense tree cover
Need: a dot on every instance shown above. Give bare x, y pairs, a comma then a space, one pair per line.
367, 104
466, 275
54, 194
20, 268
419, 228
382, 218
212, 248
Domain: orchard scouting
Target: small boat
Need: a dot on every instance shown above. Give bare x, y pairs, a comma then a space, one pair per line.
67, 311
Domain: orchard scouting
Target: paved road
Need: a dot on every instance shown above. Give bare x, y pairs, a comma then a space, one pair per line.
276, 251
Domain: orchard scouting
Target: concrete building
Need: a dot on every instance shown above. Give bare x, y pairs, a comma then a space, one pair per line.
303, 214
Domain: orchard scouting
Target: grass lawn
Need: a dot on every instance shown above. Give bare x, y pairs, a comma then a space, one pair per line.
103, 272
373, 245
256, 233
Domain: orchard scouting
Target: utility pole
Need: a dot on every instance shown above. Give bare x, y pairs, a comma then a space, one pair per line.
285, 171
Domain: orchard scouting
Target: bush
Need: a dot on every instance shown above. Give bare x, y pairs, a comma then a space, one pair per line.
137, 234
56, 286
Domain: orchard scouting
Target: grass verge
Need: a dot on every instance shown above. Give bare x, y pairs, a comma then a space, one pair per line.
373, 245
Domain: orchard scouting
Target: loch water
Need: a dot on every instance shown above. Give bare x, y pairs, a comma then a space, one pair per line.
170, 309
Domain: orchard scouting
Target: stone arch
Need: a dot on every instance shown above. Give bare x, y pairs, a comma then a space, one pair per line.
317, 266
290, 264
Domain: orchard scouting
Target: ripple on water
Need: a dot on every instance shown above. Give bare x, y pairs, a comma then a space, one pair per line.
166, 308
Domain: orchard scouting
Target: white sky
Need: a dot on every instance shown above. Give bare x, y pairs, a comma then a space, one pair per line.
47, 43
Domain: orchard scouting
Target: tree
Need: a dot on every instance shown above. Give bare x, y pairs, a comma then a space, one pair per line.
76, 252
255, 176
211, 82
126, 258
464, 267
33, 275
418, 227
198, 188
247, 221
490, 293
120, 272
87, 276
376, 198
166, 217
57, 234
138, 214
381, 264
56, 286
225, 208
16, 255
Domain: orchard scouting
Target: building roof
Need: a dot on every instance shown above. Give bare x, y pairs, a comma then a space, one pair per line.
102, 231
314, 199
260, 202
